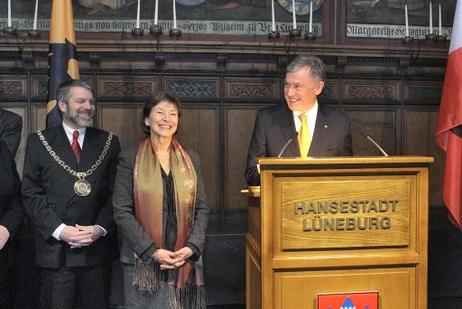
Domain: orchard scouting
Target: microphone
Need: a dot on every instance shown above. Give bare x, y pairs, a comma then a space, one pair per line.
358, 125
285, 146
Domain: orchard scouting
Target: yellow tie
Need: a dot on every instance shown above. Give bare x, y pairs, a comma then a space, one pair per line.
304, 136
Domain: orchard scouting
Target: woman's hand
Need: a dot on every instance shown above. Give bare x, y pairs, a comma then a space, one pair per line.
4, 236
182, 255
167, 259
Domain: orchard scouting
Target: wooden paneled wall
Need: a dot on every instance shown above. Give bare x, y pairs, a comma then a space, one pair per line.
220, 101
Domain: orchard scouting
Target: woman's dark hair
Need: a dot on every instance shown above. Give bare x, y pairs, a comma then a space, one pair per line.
152, 102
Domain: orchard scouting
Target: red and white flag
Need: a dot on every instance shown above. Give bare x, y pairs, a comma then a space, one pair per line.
449, 126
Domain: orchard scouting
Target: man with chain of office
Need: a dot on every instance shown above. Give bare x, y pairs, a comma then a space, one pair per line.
67, 190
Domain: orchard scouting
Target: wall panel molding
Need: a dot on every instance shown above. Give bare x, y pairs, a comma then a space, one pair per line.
252, 89
125, 86
13, 87
193, 88
371, 91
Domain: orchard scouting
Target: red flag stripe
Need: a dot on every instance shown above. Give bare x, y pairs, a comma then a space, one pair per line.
450, 117
452, 186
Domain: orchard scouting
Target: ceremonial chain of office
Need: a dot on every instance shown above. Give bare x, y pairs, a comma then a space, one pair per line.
81, 187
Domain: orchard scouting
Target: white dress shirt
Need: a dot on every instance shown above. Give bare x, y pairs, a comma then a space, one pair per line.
70, 131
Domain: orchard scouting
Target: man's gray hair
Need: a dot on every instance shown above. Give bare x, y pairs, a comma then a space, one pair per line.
63, 92
313, 63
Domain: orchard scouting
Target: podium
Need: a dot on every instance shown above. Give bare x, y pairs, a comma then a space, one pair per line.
325, 231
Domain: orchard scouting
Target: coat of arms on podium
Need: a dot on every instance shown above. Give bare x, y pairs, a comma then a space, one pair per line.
367, 300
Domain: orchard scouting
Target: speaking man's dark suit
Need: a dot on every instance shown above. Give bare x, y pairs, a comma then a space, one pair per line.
274, 127
10, 129
49, 198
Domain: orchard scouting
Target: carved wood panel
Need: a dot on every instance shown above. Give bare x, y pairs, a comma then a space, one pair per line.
192, 88
238, 130
382, 124
38, 116
13, 87
39, 86
198, 130
252, 90
122, 119
419, 139
330, 92
371, 91
423, 92
125, 86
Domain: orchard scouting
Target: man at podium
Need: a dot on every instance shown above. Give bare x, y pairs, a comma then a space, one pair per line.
302, 127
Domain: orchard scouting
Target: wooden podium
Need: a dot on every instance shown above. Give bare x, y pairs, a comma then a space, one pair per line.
338, 227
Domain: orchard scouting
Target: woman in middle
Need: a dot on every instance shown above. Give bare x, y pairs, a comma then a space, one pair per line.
161, 213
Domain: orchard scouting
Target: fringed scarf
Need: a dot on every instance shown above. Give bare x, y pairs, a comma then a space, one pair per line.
186, 285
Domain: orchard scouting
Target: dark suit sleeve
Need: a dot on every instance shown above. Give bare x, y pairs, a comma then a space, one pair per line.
197, 239
105, 216
257, 148
13, 216
124, 210
11, 131
347, 146
44, 218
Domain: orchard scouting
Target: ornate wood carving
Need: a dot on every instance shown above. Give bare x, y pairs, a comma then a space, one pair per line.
252, 89
39, 87
12, 86
192, 88
371, 92
125, 86
330, 93
423, 92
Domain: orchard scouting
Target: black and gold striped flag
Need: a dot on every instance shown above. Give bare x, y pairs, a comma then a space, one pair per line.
62, 58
